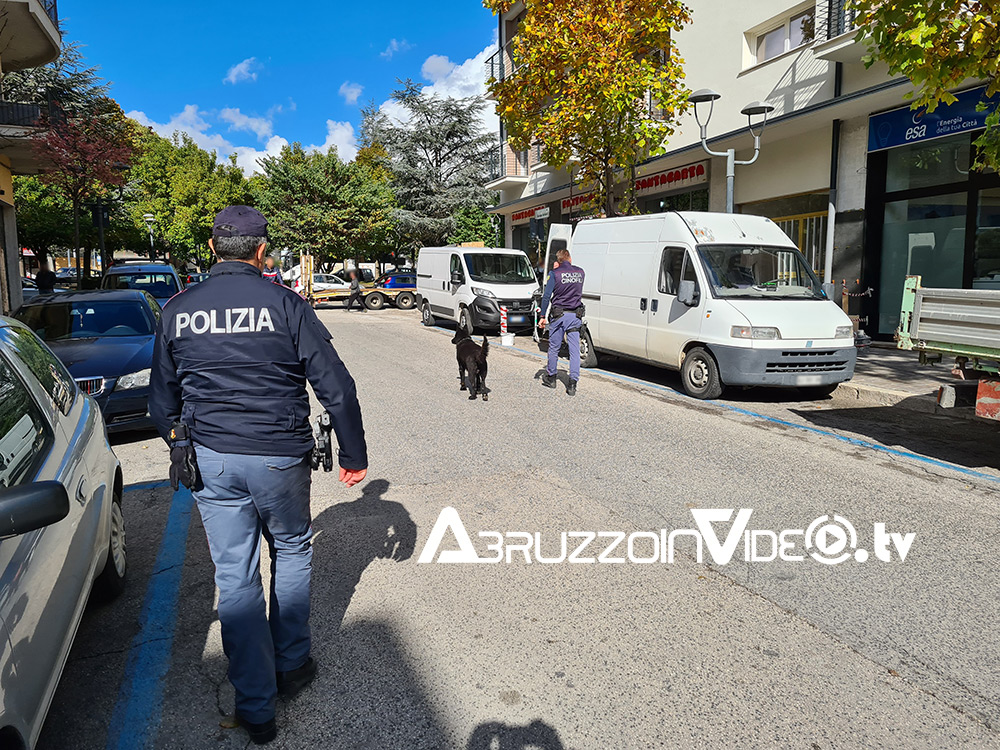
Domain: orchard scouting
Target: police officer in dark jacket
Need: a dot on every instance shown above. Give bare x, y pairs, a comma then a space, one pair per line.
230, 365
565, 291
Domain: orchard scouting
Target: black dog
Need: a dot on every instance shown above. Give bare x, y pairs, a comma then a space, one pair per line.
472, 367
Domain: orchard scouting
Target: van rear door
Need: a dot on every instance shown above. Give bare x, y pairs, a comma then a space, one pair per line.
625, 293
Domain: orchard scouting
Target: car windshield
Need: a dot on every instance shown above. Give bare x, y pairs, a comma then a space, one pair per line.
58, 321
159, 285
499, 268
759, 272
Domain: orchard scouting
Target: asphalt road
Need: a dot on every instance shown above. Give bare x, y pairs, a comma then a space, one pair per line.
514, 655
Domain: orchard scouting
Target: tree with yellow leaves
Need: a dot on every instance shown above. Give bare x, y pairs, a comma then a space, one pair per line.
596, 82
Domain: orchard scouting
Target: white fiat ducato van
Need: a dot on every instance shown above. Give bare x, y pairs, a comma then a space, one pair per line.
468, 285
726, 299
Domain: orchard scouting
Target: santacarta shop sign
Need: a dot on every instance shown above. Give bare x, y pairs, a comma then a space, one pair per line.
576, 203
523, 217
904, 125
693, 174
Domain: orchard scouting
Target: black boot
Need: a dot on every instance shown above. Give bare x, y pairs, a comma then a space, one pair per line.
571, 388
260, 734
549, 381
294, 681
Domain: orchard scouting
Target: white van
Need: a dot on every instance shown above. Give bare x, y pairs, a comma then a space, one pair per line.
726, 299
468, 285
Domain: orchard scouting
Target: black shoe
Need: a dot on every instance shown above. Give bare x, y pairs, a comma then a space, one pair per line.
294, 681
571, 388
549, 381
260, 734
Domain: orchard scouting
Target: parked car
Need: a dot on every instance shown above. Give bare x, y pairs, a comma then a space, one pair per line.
62, 530
196, 278
469, 285
105, 338
160, 280
728, 300
405, 279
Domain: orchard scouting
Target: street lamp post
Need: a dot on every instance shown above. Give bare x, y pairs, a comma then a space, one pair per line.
150, 220
709, 97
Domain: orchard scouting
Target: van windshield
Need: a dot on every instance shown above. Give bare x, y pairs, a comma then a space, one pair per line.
759, 272
499, 268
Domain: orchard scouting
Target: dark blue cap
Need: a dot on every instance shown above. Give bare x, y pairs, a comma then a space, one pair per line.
239, 221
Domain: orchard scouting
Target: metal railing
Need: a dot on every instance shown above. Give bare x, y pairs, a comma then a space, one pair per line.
508, 163
833, 18
500, 65
19, 115
51, 10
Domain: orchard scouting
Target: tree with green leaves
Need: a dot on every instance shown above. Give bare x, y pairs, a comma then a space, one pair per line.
44, 216
473, 224
439, 154
317, 203
938, 44
594, 82
68, 81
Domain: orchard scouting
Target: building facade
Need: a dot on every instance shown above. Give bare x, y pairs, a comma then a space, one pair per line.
841, 151
29, 37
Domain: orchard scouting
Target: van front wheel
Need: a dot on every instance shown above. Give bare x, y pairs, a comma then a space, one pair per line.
700, 375
425, 315
465, 320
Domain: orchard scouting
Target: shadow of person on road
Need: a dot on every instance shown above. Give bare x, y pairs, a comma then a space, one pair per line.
495, 735
561, 375
348, 537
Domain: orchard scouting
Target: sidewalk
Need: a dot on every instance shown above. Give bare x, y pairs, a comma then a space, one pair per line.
886, 376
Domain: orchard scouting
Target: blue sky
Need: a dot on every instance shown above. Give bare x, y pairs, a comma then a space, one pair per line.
248, 77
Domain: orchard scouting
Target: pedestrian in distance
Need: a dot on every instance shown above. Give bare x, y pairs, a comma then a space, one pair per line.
565, 292
355, 295
45, 280
219, 346
270, 272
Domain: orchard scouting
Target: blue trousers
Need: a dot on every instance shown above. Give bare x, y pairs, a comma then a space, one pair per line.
568, 326
242, 498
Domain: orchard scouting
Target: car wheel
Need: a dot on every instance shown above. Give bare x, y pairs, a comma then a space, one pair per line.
111, 582
700, 375
405, 301
425, 315
375, 301
588, 355
465, 321
816, 392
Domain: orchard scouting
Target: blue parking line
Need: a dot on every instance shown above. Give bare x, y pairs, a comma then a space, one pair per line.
774, 420
136, 715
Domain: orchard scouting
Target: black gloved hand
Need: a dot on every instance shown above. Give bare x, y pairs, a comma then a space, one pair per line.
183, 462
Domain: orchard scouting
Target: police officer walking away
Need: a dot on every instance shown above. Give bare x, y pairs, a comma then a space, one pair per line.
565, 290
230, 365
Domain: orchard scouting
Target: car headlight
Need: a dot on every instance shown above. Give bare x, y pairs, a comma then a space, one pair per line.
133, 380
483, 293
844, 332
755, 332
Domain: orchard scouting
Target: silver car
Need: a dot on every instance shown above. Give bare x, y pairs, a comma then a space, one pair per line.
62, 532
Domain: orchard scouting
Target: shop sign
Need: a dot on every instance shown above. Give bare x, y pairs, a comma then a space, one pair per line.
575, 203
904, 125
671, 179
542, 213
523, 217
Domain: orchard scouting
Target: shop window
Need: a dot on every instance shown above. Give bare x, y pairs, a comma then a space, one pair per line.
795, 31
986, 259
808, 231
921, 237
939, 162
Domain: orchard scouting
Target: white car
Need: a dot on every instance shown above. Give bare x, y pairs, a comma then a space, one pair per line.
323, 282
62, 532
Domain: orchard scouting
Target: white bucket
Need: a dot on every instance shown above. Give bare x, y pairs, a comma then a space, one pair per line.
506, 339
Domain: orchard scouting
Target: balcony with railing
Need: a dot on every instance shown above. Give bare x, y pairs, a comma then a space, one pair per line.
19, 115
500, 65
508, 168
29, 34
837, 31
51, 10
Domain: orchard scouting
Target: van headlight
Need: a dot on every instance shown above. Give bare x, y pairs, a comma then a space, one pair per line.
755, 332
133, 380
483, 293
844, 332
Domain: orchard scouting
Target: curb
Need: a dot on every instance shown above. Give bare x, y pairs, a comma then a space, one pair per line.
924, 403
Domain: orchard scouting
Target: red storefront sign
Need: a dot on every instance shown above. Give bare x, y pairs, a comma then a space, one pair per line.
523, 217
573, 204
671, 179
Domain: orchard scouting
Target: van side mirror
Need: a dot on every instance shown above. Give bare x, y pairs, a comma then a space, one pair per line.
687, 293
457, 277
829, 289
28, 507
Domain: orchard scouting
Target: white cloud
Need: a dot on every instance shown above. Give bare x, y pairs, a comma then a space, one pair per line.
351, 92
396, 45
244, 71
262, 127
436, 68
191, 121
461, 81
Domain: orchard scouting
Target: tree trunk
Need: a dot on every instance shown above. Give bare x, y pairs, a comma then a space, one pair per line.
76, 238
